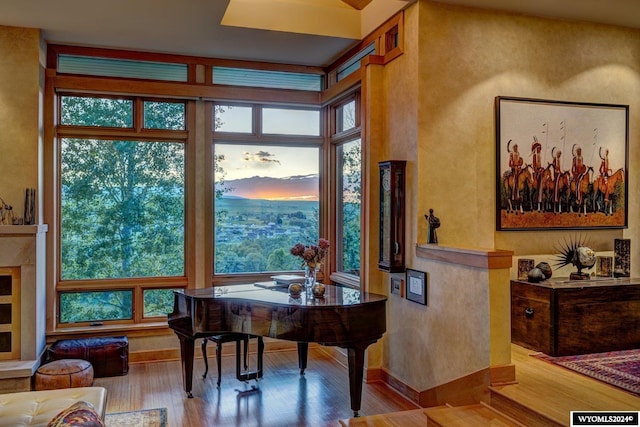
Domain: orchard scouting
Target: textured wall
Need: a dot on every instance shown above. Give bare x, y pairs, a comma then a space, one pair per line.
467, 58
19, 113
439, 115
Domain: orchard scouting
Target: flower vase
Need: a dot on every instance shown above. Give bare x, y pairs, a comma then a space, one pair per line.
310, 275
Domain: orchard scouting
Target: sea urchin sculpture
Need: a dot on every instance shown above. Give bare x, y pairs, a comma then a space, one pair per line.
577, 253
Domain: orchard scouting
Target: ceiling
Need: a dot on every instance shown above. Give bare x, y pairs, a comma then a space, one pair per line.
305, 32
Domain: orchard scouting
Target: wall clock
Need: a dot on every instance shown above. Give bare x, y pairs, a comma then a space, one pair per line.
392, 195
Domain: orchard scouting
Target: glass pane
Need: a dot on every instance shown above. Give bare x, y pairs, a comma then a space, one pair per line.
349, 199
264, 78
88, 111
232, 118
266, 200
95, 306
123, 68
164, 115
353, 64
346, 117
158, 302
282, 121
122, 209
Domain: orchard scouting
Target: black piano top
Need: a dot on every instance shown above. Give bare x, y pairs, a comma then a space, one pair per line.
334, 296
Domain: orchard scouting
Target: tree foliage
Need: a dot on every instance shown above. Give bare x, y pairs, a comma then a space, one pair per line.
122, 207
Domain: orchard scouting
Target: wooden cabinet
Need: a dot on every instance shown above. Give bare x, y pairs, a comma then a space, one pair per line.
565, 317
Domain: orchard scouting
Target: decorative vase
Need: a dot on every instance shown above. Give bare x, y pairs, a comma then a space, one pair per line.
318, 290
310, 274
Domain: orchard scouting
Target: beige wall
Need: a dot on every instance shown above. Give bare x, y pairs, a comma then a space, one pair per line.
434, 109
439, 115
19, 113
467, 58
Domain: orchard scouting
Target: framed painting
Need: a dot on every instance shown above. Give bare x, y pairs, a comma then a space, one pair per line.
561, 165
416, 286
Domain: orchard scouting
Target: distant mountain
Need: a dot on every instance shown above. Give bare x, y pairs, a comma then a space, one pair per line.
301, 187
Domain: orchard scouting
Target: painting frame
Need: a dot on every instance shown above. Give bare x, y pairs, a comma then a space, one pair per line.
565, 146
416, 286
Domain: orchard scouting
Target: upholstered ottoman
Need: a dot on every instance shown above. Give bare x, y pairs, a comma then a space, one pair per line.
64, 373
38, 408
109, 356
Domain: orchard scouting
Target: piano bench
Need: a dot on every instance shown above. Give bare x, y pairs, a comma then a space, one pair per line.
237, 338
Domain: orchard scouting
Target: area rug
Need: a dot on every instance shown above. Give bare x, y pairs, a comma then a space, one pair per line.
144, 418
618, 368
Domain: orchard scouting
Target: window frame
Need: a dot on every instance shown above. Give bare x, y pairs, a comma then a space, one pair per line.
136, 133
336, 139
199, 92
257, 137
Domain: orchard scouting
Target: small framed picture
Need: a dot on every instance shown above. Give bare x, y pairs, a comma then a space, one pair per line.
524, 267
604, 266
416, 288
397, 286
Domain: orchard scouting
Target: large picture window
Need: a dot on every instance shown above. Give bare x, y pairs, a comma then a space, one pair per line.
122, 209
267, 190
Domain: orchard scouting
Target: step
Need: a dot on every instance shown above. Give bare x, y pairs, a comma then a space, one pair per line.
409, 418
520, 412
478, 415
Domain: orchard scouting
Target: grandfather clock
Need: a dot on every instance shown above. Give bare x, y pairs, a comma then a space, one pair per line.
392, 195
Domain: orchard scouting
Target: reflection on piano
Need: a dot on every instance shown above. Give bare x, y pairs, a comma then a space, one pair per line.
345, 317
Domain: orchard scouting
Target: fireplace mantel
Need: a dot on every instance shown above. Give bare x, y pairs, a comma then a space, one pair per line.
12, 230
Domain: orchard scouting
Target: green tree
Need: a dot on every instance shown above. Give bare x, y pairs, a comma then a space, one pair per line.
122, 206
352, 196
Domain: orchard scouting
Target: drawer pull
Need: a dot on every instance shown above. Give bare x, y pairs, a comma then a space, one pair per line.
528, 312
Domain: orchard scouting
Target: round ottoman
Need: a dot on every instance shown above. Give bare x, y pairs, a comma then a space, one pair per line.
64, 373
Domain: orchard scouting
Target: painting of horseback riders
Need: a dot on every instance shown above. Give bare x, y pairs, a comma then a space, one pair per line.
560, 165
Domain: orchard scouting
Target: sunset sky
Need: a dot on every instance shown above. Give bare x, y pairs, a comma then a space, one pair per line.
266, 171
269, 172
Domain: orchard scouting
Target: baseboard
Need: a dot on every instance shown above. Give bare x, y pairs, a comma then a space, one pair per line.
470, 389
503, 375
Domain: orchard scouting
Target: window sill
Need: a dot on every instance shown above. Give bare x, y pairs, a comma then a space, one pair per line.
137, 330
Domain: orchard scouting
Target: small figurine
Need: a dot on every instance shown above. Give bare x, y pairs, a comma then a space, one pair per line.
434, 222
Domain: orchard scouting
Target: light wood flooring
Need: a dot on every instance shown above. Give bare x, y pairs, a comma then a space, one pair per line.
321, 396
283, 397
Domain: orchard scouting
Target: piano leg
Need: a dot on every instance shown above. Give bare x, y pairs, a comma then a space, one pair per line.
186, 352
356, 370
303, 351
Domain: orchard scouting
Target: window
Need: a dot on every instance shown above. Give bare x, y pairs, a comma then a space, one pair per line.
266, 78
348, 188
130, 156
353, 64
266, 190
109, 67
349, 157
122, 208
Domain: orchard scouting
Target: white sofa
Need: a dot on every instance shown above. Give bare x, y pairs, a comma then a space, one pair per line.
37, 408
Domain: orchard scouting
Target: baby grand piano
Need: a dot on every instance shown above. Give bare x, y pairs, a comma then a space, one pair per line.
345, 317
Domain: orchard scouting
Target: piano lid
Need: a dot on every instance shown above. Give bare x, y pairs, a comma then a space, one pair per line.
334, 296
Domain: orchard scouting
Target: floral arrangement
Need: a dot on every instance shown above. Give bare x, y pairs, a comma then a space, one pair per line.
311, 255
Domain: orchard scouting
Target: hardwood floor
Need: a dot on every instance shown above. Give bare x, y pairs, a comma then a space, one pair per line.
321, 396
555, 391
283, 397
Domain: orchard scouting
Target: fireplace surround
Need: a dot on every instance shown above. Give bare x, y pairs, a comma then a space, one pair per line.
22, 251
